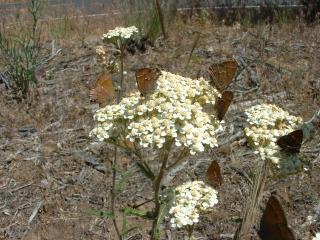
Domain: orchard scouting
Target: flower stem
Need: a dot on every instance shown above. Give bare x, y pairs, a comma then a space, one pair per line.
122, 45
190, 231
114, 162
113, 193
157, 185
183, 154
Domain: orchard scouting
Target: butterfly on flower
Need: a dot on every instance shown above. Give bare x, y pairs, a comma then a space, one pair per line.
147, 79
291, 142
103, 91
223, 103
221, 75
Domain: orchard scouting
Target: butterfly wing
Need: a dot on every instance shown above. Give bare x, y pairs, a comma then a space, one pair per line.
103, 90
146, 79
223, 103
273, 224
214, 174
99, 95
291, 142
222, 74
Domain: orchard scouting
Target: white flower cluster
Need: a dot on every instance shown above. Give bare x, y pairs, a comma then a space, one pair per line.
192, 199
108, 61
102, 54
267, 123
316, 237
173, 112
121, 32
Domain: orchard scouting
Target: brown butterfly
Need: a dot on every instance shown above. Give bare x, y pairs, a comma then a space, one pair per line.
273, 224
103, 91
291, 142
214, 174
223, 103
147, 79
221, 74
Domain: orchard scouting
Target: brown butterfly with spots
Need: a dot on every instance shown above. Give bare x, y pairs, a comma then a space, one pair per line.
147, 79
103, 91
291, 142
273, 224
221, 74
214, 174
222, 104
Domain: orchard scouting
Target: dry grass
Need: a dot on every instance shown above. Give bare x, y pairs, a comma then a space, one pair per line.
46, 155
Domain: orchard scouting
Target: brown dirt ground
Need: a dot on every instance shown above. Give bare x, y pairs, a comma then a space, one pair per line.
45, 147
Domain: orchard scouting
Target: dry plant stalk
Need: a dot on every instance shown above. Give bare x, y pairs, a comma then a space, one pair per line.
256, 194
114, 162
195, 43
160, 14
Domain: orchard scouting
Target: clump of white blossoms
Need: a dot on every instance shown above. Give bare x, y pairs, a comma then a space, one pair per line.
121, 32
102, 54
107, 59
317, 237
267, 123
192, 199
172, 113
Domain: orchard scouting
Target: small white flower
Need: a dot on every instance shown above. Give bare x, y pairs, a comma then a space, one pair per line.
121, 32
192, 200
267, 123
316, 237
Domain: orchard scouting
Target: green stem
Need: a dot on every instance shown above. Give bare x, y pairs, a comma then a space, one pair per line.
122, 45
182, 155
136, 152
190, 231
114, 162
161, 19
157, 185
113, 193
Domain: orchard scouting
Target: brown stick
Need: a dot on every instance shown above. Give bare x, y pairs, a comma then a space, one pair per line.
161, 19
193, 47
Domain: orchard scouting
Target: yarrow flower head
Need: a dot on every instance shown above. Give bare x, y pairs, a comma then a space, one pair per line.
172, 113
192, 199
120, 32
317, 237
267, 123
107, 59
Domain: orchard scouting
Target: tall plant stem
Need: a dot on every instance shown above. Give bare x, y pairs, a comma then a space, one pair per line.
161, 19
113, 193
256, 194
122, 45
190, 231
114, 162
34, 10
157, 185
